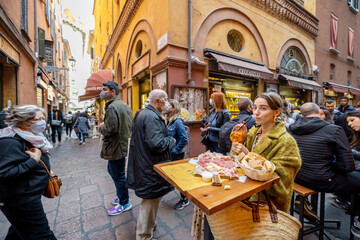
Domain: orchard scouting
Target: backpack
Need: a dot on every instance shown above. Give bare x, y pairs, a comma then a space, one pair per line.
68, 119
225, 131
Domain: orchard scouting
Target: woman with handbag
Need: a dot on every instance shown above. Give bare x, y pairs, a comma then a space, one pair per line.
83, 127
271, 140
212, 123
23, 177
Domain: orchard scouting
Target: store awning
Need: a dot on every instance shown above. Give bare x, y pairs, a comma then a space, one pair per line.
300, 82
237, 66
94, 84
343, 89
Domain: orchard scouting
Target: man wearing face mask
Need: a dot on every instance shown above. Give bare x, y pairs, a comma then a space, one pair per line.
116, 131
150, 144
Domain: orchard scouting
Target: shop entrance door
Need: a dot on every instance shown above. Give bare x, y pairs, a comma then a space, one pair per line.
144, 84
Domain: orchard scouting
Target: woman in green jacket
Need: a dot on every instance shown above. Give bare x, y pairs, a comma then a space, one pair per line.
271, 140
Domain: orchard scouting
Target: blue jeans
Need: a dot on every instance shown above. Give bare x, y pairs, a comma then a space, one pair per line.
81, 136
116, 169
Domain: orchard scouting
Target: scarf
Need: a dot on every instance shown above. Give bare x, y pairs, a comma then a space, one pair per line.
37, 140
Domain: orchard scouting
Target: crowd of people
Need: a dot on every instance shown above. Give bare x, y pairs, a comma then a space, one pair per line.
318, 148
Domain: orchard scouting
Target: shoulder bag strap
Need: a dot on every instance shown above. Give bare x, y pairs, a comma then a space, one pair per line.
45, 167
272, 208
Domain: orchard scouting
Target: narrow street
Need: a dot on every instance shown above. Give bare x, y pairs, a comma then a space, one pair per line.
81, 210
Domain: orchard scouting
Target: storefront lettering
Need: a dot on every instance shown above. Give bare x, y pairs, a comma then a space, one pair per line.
9, 50
250, 73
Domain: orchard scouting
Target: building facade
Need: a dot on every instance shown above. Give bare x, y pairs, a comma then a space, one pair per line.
338, 49
34, 56
241, 48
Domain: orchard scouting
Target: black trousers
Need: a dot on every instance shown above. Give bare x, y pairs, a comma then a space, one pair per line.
28, 222
68, 129
55, 129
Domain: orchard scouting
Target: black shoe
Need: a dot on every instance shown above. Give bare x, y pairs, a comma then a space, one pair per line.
181, 204
309, 213
355, 229
342, 204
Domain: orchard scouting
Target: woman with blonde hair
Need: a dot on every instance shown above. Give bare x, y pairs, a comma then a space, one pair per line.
176, 129
212, 123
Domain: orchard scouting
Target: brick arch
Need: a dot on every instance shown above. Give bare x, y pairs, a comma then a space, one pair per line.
142, 26
292, 42
221, 14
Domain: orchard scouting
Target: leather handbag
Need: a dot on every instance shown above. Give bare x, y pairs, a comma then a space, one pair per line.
54, 183
247, 220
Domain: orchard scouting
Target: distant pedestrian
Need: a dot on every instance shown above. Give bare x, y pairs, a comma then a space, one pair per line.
344, 106
83, 126
330, 106
5, 112
56, 122
326, 116
150, 145
288, 120
69, 122
116, 131
23, 178
177, 130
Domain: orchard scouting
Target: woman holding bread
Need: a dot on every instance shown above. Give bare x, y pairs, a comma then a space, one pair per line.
271, 140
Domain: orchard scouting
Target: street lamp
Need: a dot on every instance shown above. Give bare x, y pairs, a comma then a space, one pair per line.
72, 61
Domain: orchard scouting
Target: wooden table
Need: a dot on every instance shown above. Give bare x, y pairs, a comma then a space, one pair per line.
212, 199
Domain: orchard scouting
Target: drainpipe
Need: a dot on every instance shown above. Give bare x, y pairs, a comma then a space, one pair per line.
35, 42
112, 32
189, 40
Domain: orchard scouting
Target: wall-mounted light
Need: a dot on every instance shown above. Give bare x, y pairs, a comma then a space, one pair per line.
72, 61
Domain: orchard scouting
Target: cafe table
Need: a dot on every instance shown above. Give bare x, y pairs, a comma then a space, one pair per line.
210, 199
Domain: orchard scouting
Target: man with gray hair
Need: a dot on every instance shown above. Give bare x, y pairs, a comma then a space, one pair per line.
149, 145
320, 143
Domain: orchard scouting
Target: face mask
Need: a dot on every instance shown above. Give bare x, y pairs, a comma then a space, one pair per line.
166, 107
211, 103
103, 96
38, 127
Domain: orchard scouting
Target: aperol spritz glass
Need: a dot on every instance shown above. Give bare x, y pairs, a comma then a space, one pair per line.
238, 134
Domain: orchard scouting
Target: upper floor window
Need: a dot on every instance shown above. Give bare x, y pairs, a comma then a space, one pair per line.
354, 5
333, 32
293, 62
24, 16
351, 43
332, 72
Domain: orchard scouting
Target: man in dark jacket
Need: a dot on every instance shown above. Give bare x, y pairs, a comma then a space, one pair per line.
319, 142
344, 106
56, 122
116, 131
149, 145
330, 106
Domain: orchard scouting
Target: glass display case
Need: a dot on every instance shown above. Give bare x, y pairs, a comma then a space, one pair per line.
232, 99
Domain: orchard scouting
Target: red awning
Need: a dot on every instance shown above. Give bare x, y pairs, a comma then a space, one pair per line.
339, 89
354, 92
87, 97
95, 81
237, 66
300, 82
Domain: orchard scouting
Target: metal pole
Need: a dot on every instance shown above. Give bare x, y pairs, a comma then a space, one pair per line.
189, 40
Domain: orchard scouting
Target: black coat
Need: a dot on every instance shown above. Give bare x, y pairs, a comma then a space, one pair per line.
22, 179
221, 118
325, 153
60, 116
149, 145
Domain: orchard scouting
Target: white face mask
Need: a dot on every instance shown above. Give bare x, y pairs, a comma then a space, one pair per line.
38, 127
166, 107
103, 95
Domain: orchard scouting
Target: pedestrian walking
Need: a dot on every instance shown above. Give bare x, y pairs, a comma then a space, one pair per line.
56, 122
212, 123
330, 106
150, 145
344, 106
116, 131
23, 178
83, 127
288, 120
176, 129
69, 122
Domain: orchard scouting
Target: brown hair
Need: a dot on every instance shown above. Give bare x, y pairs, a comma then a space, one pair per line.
176, 112
274, 100
355, 143
219, 101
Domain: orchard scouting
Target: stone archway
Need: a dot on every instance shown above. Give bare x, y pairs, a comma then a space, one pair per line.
292, 42
222, 14
142, 26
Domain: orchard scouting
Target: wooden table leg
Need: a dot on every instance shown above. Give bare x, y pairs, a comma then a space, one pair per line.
207, 231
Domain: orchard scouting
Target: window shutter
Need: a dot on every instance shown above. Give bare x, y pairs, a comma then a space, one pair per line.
41, 36
356, 4
349, 2
24, 16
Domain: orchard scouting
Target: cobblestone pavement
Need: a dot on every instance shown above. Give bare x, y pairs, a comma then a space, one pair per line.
81, 210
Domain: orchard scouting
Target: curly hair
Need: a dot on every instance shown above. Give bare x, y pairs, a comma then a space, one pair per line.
22, 114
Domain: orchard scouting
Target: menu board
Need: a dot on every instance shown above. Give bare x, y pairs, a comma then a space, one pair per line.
193, 102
